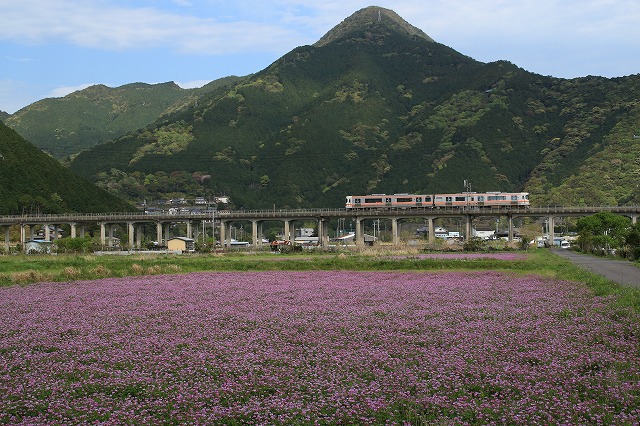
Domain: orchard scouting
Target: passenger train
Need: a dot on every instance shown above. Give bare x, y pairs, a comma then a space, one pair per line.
457, 200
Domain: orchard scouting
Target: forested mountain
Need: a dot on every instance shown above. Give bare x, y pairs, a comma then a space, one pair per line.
32, 182
377, 106
64, 126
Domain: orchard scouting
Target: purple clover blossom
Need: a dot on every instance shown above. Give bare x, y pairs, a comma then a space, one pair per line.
328, 347
496, 256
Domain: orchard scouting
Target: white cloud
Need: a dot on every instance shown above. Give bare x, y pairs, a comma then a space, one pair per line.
192, 84
15, 95
104, 26
60, 92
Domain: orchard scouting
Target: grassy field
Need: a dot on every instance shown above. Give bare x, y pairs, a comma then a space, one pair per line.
23, 269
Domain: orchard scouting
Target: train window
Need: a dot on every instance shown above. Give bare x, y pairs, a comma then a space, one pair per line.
449, 199
460, 198
418, 199
357, 201
427, 199
514, 198
480, 197
404, 200
373, 200
497, 197
387, 200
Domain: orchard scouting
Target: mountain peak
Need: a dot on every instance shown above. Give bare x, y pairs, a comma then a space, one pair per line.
369, 19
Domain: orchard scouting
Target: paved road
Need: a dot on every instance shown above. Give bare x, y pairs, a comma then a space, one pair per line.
620, 271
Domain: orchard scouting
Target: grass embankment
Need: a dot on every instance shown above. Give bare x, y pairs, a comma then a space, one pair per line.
21, 270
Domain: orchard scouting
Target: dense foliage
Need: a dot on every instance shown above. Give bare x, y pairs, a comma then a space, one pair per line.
33, 182
82, 119
608, 233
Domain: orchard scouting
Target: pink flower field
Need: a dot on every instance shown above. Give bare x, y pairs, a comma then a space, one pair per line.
465, 255
317, 348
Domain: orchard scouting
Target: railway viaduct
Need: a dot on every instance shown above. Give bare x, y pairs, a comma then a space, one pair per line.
134, 221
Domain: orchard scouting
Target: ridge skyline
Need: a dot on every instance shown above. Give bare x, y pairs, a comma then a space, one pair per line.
52, 53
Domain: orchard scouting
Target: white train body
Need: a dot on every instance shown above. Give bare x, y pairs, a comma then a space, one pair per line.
455, 200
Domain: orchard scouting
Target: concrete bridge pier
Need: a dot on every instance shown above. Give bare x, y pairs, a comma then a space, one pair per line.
394, 231
225, 234
159, 232
256, 233
139, 232
196, 232
103, 234
468, 232
359, 240
189, 229
167, 232
432, 230
75, 227
323, 233
111, 233
551, 229
131, 233
289, 232
7, 236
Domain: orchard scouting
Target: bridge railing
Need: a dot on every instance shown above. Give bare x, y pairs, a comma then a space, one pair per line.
309, 214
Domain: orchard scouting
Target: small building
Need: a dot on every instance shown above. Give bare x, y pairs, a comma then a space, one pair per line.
304, 232
181, 244
346, 239
37, 247
349, 239
485, 234
441, 232
307, 241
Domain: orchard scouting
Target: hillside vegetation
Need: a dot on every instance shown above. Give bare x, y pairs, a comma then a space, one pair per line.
32, 182
65, 126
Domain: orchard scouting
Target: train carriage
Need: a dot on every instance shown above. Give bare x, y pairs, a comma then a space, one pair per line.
453, 200
384, 200
482, 199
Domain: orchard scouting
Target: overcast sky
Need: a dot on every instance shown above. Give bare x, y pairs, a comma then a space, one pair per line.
49, 48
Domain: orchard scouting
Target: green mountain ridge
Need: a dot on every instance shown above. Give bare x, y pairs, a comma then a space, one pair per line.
65, 126
369, 18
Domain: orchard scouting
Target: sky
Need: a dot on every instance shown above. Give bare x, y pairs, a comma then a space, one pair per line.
50, 48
